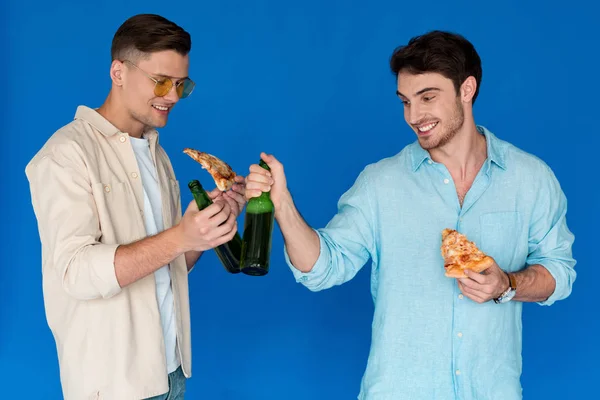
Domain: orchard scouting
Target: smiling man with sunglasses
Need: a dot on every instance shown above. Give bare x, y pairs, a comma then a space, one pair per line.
116, 249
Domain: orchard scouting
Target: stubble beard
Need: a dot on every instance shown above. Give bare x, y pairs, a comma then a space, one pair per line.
455, 123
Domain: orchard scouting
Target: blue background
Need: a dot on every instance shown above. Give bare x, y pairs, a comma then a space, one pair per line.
308, 81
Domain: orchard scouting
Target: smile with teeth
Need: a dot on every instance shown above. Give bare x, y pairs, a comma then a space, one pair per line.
161, 108
427, 128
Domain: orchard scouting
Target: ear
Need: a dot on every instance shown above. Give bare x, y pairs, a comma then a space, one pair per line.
117, 72
467, 90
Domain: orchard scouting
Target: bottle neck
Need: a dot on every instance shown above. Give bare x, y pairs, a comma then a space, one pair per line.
200, 195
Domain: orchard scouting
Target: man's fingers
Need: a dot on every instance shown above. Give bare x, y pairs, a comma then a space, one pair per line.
238, 200
234, 195
256, 169
262, 176
471, 293
235, 203
477, 277
476, 298
222, 215
263, 187
223, 233
472, 284
238, 188
213, 209
213, 194
250, 193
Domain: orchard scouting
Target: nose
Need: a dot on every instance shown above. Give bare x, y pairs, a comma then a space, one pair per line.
172, 95
413, 114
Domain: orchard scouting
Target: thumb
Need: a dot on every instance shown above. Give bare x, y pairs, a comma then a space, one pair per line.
271, 161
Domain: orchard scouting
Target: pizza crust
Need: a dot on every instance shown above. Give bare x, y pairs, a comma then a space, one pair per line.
220, 171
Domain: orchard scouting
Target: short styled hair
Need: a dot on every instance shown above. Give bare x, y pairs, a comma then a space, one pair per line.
446, 53
143, 34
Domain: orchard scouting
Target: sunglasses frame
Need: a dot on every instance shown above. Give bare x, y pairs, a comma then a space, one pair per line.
172, 84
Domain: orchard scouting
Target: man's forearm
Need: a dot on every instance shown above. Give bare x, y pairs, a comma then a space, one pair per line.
534, 284
301, 241
136, 260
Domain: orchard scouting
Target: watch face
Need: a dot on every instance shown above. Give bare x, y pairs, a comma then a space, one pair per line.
508, 297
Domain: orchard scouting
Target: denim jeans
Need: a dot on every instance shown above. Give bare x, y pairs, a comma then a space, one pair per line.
176, 387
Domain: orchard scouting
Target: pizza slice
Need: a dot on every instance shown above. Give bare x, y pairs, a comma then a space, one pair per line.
220, 171
460, 254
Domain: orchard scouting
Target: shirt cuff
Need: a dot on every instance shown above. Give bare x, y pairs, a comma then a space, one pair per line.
105, 267
314, 277
103, 277
563, 282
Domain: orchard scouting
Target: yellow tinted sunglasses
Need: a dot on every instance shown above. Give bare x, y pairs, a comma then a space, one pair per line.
162, 87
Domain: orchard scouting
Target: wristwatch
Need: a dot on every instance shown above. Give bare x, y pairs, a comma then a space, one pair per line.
508, 293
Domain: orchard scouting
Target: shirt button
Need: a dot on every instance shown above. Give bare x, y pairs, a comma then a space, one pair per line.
458, 372
107, 188
446, 181
459, 334
122, 139
460, 296
429, 162
134, 175
303, 279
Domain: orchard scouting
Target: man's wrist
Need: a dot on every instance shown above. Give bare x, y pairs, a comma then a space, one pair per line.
505, 284
508, 293
285, 206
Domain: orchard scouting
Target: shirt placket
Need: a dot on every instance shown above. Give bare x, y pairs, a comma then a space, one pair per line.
459, 321
133, 173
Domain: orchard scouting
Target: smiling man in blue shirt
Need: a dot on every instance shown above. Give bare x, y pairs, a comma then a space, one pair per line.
436, 337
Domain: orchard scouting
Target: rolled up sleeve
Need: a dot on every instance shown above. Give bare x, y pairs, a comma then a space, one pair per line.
550, 240
69, 226
346, 243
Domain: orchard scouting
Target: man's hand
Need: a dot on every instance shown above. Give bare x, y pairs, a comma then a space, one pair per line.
234, 197
260, 180
301, 241
207, 229
484, 286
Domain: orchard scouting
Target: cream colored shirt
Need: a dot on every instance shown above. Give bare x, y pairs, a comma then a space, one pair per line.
88, 199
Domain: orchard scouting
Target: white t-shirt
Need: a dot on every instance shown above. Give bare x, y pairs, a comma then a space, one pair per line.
154, 224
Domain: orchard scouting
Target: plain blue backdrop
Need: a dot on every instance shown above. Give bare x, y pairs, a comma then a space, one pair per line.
308, 81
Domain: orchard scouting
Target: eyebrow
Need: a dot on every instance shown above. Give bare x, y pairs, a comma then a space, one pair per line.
427, 89
170, 77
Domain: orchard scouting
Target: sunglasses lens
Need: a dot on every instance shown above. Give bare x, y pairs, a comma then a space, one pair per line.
185, 88
162, 88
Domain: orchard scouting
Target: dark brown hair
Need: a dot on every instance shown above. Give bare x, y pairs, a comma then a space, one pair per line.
143, 34
446, 53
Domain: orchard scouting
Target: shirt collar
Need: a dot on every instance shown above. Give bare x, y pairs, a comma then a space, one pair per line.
495, 150
104, 126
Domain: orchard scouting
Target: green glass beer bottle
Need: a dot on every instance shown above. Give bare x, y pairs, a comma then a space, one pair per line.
229, 253
258, 232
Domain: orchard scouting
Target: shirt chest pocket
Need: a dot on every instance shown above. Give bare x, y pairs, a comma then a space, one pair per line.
119, 217
504, 238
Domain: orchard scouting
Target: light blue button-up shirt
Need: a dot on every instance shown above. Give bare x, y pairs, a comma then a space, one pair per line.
428, 341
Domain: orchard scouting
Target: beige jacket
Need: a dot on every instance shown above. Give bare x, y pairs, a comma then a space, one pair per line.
87, 196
